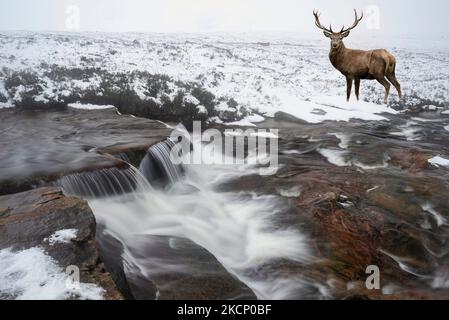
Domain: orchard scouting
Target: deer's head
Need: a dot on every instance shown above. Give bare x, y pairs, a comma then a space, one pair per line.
336, 37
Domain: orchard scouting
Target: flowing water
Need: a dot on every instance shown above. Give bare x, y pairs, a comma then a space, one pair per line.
342, 200
239, 228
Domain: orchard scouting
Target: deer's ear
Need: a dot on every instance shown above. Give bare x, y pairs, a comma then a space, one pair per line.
327, 34
345, 34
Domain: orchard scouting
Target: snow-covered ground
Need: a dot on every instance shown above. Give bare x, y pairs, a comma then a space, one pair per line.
262, 72
32, 274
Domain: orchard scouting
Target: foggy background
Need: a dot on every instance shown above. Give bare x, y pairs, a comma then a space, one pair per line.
381, 16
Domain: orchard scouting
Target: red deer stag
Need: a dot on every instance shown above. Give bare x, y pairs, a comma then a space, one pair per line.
358, 64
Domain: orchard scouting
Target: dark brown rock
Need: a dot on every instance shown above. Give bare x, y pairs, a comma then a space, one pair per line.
414, 160
30, 218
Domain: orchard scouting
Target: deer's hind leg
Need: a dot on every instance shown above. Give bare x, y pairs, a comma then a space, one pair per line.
378, 69
386, 85
392, 78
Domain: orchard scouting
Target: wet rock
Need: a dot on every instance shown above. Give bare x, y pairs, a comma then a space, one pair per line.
353, 229
282, 116
111, 252
414, 160
170, 268
357, 290
34, 219
57, 143
397, 205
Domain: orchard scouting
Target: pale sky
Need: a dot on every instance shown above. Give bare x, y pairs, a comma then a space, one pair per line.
381, 16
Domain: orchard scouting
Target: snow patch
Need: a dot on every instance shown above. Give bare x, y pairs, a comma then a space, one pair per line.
336, 157
249, 121
191, 100
439, 161
344, 138
335, 108
241, 123
88, 106
4, 105
255, 118
292, 192
62, 236
201, 109
31, 274
266, 134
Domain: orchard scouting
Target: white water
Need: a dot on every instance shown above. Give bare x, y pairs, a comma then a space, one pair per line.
239, 229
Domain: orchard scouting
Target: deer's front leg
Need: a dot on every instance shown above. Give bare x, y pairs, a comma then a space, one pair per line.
357, 88
348, 88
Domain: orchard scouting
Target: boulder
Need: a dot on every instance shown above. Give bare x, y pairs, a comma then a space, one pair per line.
62, 227
38, 147
169, 268
414, 160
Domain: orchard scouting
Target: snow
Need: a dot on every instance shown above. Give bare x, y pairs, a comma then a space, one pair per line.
248, 121
31, 274
344, 138
223, 107
191, 99
292, 192
201, 109
430, 107
242, 123
336, 157
293, 74
62, 236
255, 118
89, 106
216, 120
266, 135
425, 120
340, 109
439, 161
260, 133
329, 108
4, 105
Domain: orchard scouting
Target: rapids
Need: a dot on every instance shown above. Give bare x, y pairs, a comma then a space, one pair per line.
239, 228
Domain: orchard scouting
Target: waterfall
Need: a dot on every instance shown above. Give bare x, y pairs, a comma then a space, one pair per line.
157, 166
240, 229
156, 169
104, 183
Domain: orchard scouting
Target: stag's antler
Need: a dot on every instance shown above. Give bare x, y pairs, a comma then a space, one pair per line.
356, 22
318, 23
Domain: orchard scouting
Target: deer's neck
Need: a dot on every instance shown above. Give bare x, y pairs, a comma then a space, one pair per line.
336, 56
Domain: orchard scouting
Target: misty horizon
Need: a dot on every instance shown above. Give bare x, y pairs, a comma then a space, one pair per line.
203, 16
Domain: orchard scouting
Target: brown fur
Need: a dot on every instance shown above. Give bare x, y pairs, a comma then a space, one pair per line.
358, 65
